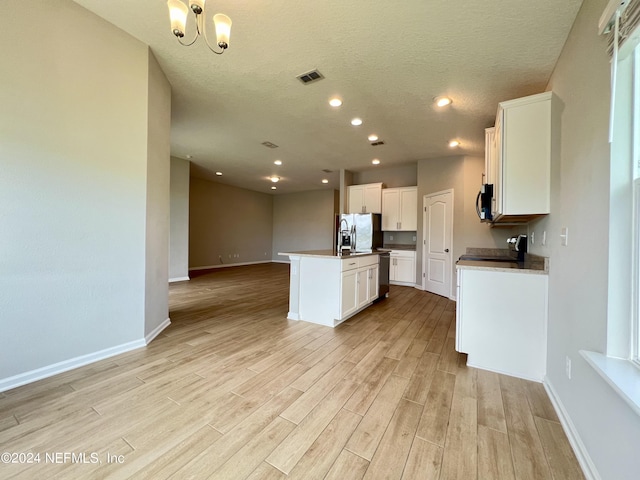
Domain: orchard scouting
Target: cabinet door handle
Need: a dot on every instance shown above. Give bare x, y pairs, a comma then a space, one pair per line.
446, 250
352, 263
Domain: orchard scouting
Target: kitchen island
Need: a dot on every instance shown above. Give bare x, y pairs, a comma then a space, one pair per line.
328, 288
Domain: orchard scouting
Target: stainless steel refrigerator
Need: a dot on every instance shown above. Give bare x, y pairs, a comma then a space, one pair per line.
368, 233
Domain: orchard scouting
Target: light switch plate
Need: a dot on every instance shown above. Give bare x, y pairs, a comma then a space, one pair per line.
564, 236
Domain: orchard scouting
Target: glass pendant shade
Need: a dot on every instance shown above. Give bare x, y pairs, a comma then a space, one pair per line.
223, 29
178, 15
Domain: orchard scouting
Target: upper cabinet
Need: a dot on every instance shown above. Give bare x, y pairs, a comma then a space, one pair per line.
400, 209
365, 198
521, 153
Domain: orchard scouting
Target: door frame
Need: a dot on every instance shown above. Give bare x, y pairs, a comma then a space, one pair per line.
424, 237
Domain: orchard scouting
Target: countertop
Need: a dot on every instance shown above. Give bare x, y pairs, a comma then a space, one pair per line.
534, 264
411, 248
513, 267
329, 254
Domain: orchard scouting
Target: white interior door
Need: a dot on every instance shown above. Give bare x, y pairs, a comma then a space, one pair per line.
437, 242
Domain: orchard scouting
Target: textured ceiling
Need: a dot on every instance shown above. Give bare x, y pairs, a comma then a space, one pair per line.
386, 60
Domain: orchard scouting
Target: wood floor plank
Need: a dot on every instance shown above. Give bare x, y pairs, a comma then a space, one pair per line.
494, 455
424, 462
529, 460
367, 436
391, 455
251, 455
348, 466
371, 385
418, 388
319, 458
490, 408
539, 402
291, 450
266, 472
309, 399
460, 458
562, 462
435, 417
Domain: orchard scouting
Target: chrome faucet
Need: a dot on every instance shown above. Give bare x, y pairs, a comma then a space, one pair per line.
344, 236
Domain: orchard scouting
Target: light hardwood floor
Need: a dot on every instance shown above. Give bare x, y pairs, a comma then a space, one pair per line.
233, 390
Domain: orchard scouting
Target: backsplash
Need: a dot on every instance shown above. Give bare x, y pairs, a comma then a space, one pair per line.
400, 238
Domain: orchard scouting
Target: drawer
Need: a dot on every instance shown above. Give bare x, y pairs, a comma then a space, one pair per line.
348, 264
368, 260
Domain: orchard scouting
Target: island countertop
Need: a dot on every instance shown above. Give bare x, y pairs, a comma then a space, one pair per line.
331, 253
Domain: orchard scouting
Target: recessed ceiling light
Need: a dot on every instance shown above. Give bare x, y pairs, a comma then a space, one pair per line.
324, 180
375, 161
443, 101
356, 122
274, 179
372, 137
188, 157
278, 162
454, 143
274, 187
335, 102
218, 173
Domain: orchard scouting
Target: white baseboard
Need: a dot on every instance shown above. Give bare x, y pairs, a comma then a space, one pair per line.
588, 468
179, 279
66, 365
156, 331
224, 265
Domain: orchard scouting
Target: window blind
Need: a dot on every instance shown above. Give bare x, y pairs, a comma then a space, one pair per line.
628, 21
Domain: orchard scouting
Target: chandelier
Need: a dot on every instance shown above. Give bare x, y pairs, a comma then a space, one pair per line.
178, 12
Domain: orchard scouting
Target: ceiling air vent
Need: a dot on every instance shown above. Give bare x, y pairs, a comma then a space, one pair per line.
375, 144
269, 144
310, 77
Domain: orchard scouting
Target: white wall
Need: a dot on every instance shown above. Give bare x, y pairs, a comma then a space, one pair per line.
304, 221
157, 225
578, 275
179, 220
73, 188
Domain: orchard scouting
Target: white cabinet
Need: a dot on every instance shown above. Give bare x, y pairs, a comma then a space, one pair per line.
400, 209
402, 268
365, 198
505, 333
523, 142
349, 293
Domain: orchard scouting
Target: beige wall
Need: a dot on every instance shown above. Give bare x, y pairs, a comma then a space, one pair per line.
179, 220
74, 146
580, 273
157, 225
303, 221
403, 176
228, 225
463, 175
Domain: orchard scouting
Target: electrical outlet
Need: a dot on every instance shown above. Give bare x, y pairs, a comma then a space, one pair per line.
544, 238
564, 236
390, 237
414, 238
567, 366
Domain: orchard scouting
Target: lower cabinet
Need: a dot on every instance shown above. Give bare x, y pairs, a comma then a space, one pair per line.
402, 268
505, 332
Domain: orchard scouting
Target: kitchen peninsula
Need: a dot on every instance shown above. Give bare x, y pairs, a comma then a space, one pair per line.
327, 288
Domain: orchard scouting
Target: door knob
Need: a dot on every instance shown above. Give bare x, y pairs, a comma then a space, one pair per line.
446, 250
